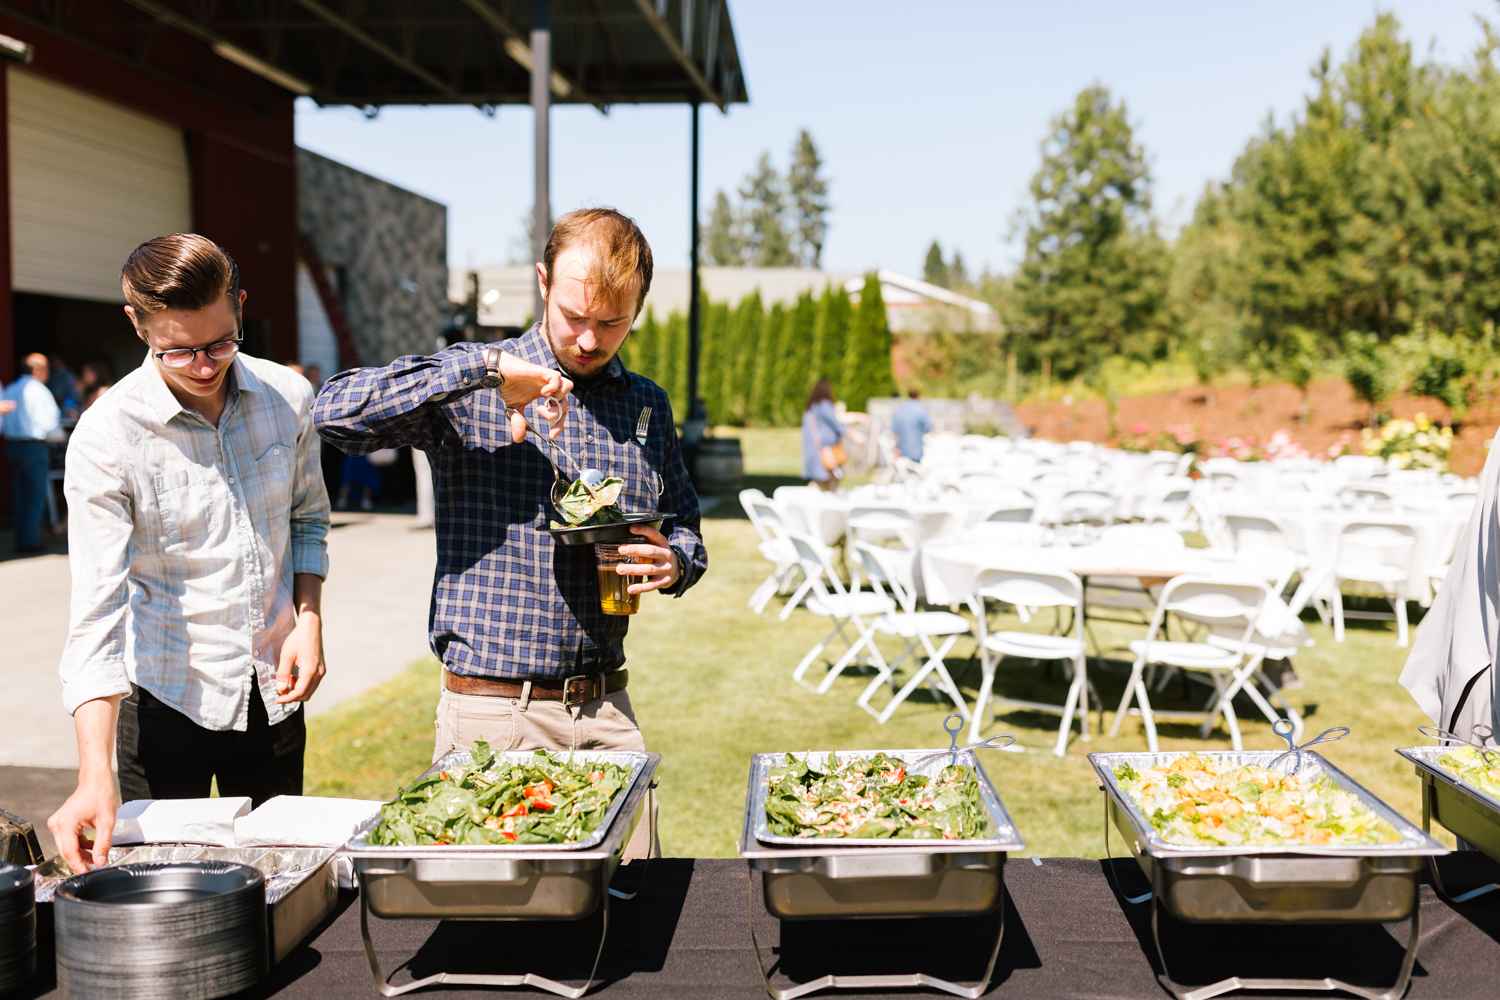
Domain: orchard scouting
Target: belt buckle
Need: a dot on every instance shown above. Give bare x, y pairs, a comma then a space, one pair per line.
575, 690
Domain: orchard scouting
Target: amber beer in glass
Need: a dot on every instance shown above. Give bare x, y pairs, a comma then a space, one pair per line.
614, 599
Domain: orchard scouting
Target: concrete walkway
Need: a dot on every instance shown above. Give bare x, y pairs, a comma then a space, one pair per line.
374, 612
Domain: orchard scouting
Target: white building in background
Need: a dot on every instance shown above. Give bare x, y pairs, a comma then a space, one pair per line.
912, 305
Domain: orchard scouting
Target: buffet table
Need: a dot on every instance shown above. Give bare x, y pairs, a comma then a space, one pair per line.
1066, 935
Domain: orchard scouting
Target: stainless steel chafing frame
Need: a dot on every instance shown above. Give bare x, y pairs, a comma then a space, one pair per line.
1156, 855
1472, 815
467, 864
851, 858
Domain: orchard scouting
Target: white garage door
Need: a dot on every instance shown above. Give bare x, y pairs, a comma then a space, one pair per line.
89, 182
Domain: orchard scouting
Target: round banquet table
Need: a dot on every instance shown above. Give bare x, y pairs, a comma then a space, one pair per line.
1068, 936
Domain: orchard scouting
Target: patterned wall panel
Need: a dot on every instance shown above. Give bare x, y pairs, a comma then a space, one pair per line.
390, 249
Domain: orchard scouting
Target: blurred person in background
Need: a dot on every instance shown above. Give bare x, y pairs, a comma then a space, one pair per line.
32, 416
62, 382
822, 434
96, 378
314, 374
909, 423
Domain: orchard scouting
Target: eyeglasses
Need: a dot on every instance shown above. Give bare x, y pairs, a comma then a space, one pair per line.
184, 356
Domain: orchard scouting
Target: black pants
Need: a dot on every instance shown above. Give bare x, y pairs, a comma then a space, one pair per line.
165, 755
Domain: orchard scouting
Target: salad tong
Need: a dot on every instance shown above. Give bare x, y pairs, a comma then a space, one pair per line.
590, 478
1293, 748
1485, 733
953, 746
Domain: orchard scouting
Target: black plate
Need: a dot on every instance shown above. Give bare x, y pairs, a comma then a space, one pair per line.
591, 534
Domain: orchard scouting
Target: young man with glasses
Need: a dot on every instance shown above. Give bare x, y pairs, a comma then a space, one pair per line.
196, 530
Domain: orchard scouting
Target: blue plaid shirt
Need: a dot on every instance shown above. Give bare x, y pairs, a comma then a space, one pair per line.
506, 601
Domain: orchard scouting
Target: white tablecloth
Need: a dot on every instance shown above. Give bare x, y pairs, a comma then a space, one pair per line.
1315, 534
825, 516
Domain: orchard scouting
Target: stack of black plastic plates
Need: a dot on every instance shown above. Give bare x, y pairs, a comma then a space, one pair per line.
185, 930
17, 927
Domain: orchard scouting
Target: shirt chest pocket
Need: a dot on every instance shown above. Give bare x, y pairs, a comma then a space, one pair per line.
184, 504
272, 493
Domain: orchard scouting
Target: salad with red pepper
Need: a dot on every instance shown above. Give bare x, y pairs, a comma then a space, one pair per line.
544, 799
872, 797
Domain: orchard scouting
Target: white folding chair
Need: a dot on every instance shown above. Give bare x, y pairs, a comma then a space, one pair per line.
846, 607
1169, 502
1278, 635
1091, 507
1378, 554
769, 522
882, 522
913, 627
1126, 593
1202, 599
1036, 588
1273, 563
1245, 528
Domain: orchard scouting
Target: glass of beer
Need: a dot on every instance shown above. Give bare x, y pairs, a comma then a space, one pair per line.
614, 599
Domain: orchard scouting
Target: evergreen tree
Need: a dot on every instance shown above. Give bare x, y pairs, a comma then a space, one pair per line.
672, 363
1093, 277
808, 193
742, 338
724, 244
830, 334
767, 242
718, 354
763, 403
867, 353
794, 373
934, 269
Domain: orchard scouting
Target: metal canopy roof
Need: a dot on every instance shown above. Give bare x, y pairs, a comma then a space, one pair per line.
371, 53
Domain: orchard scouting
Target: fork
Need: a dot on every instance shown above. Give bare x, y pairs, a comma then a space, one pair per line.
641, 425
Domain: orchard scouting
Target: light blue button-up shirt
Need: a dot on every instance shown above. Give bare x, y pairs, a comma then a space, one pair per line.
183, 539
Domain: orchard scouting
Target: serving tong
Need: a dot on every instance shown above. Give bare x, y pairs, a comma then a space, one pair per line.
591, 479
1294, 748
1481, 730
954, 748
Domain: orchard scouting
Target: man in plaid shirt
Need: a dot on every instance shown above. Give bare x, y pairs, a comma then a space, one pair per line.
530, 661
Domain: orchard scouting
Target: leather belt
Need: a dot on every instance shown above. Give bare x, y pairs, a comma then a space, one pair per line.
573, 690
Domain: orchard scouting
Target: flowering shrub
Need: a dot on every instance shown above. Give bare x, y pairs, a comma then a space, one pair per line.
1181, 438
1281, 444
1343, 446
1411, 444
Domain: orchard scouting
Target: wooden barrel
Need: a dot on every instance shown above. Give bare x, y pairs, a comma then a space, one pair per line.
719, 467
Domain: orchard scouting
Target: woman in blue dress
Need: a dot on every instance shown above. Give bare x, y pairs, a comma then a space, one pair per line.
820, 429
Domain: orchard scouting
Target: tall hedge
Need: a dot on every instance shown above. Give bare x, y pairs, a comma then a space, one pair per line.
756, 367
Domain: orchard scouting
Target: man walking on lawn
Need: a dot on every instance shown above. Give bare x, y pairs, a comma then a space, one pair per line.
196, 534
530, 659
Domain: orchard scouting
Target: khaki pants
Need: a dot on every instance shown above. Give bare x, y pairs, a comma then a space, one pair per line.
605, 723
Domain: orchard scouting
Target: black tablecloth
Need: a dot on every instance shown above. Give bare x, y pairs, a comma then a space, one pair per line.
1066, 935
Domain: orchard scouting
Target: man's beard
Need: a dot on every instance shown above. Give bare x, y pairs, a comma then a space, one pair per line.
569, 366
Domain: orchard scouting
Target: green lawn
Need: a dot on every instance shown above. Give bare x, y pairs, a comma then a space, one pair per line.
711, 684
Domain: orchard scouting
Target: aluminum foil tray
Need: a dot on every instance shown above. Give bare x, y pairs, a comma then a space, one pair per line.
1000, 831
1413, 841
1471, 814
504, 881
637, 762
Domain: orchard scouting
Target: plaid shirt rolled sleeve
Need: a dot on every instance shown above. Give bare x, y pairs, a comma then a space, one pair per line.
507, 602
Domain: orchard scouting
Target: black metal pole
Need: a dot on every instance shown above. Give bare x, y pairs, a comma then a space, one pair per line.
541, 105
697, 415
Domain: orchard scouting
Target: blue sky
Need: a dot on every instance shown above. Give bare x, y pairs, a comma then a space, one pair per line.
929, 117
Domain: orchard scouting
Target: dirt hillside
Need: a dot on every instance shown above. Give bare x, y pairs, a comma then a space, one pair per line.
1240, 411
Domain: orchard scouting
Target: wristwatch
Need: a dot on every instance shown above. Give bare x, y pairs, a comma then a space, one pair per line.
492, 377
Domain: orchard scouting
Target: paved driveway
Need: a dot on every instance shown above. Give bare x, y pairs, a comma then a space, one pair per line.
374, 612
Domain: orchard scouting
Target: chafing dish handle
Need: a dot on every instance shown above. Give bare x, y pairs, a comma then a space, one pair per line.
908, 981
650, 844
466, 979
